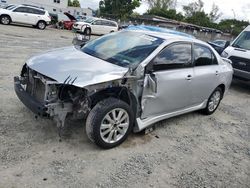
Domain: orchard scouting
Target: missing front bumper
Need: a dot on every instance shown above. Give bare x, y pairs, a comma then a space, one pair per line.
29, 101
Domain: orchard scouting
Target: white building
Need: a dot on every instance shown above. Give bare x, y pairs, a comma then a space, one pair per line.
53, 6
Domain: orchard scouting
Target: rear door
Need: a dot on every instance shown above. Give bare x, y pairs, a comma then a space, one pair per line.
206, 73
35, 15
168, 80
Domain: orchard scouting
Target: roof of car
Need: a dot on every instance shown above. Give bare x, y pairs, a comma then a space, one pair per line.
170, 36
32, 6
158, 29
103, 19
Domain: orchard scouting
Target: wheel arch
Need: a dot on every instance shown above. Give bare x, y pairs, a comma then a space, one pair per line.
41, 21
122, 93
223, 88
6, 15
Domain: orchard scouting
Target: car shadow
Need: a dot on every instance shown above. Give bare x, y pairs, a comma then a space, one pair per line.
21, 25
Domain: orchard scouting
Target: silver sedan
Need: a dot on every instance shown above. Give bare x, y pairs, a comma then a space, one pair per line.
124, 81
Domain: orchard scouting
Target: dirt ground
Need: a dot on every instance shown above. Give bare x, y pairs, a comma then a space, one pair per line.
191, 150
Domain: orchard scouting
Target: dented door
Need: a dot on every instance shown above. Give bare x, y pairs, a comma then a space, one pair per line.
167, 88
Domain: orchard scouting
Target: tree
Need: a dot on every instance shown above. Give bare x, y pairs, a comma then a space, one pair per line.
164, 8
167, 13
195, 14
215, 13
193, 7
69, 3
118, 8
232, 26
74, 3
162, 4
200, 18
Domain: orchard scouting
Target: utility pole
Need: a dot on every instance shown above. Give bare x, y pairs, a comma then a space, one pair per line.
233, 13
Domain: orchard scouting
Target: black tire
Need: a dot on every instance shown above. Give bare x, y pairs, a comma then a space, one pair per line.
87, 31
208, 110
5, 19
41, 25
97, 116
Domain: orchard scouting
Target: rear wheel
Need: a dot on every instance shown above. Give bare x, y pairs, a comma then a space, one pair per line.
109, 123
213, 101
5, 19
41, 25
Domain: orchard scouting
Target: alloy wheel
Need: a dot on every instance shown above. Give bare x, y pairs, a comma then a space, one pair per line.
114, 125
5, 20
41, 25
214, 101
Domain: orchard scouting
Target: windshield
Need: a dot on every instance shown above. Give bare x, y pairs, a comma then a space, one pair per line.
243, 41
123, 48
89, 20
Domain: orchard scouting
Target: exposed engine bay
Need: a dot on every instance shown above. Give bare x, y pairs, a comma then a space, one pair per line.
65, 100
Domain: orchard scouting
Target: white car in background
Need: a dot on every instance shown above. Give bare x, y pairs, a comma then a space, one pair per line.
96, 26
25, 14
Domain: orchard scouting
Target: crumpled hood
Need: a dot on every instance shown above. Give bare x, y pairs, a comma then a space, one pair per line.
61, 63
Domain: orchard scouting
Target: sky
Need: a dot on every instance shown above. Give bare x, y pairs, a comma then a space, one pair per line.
241, 8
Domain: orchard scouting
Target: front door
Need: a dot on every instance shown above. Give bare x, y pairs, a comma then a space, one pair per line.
97, 27
168, 80
20, 15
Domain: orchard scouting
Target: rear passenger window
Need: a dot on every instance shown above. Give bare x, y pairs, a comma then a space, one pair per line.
203, 56
106, 23
36, 11
112, 24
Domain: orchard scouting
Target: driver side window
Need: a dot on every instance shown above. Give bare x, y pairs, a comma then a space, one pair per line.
173, 57
21, 9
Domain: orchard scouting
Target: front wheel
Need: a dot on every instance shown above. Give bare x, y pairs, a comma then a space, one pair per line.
5, 20
109, 123
213, 101
87, 31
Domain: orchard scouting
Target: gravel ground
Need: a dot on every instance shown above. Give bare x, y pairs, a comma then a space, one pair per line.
191, 150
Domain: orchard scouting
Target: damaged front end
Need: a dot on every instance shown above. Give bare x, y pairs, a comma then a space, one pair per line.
48, 98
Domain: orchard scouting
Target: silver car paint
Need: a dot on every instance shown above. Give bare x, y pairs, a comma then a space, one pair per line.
156, 105
88, 70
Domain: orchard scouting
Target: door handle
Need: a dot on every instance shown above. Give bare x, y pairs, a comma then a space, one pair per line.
25, 14
216, 73
189, 77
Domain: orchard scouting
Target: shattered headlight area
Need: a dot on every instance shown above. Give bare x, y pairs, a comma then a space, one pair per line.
59, 100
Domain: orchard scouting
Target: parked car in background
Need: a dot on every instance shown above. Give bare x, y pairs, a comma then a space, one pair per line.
4, 6
25, 14
96, 26
66, 21
219, 45
239, 53
124, 81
